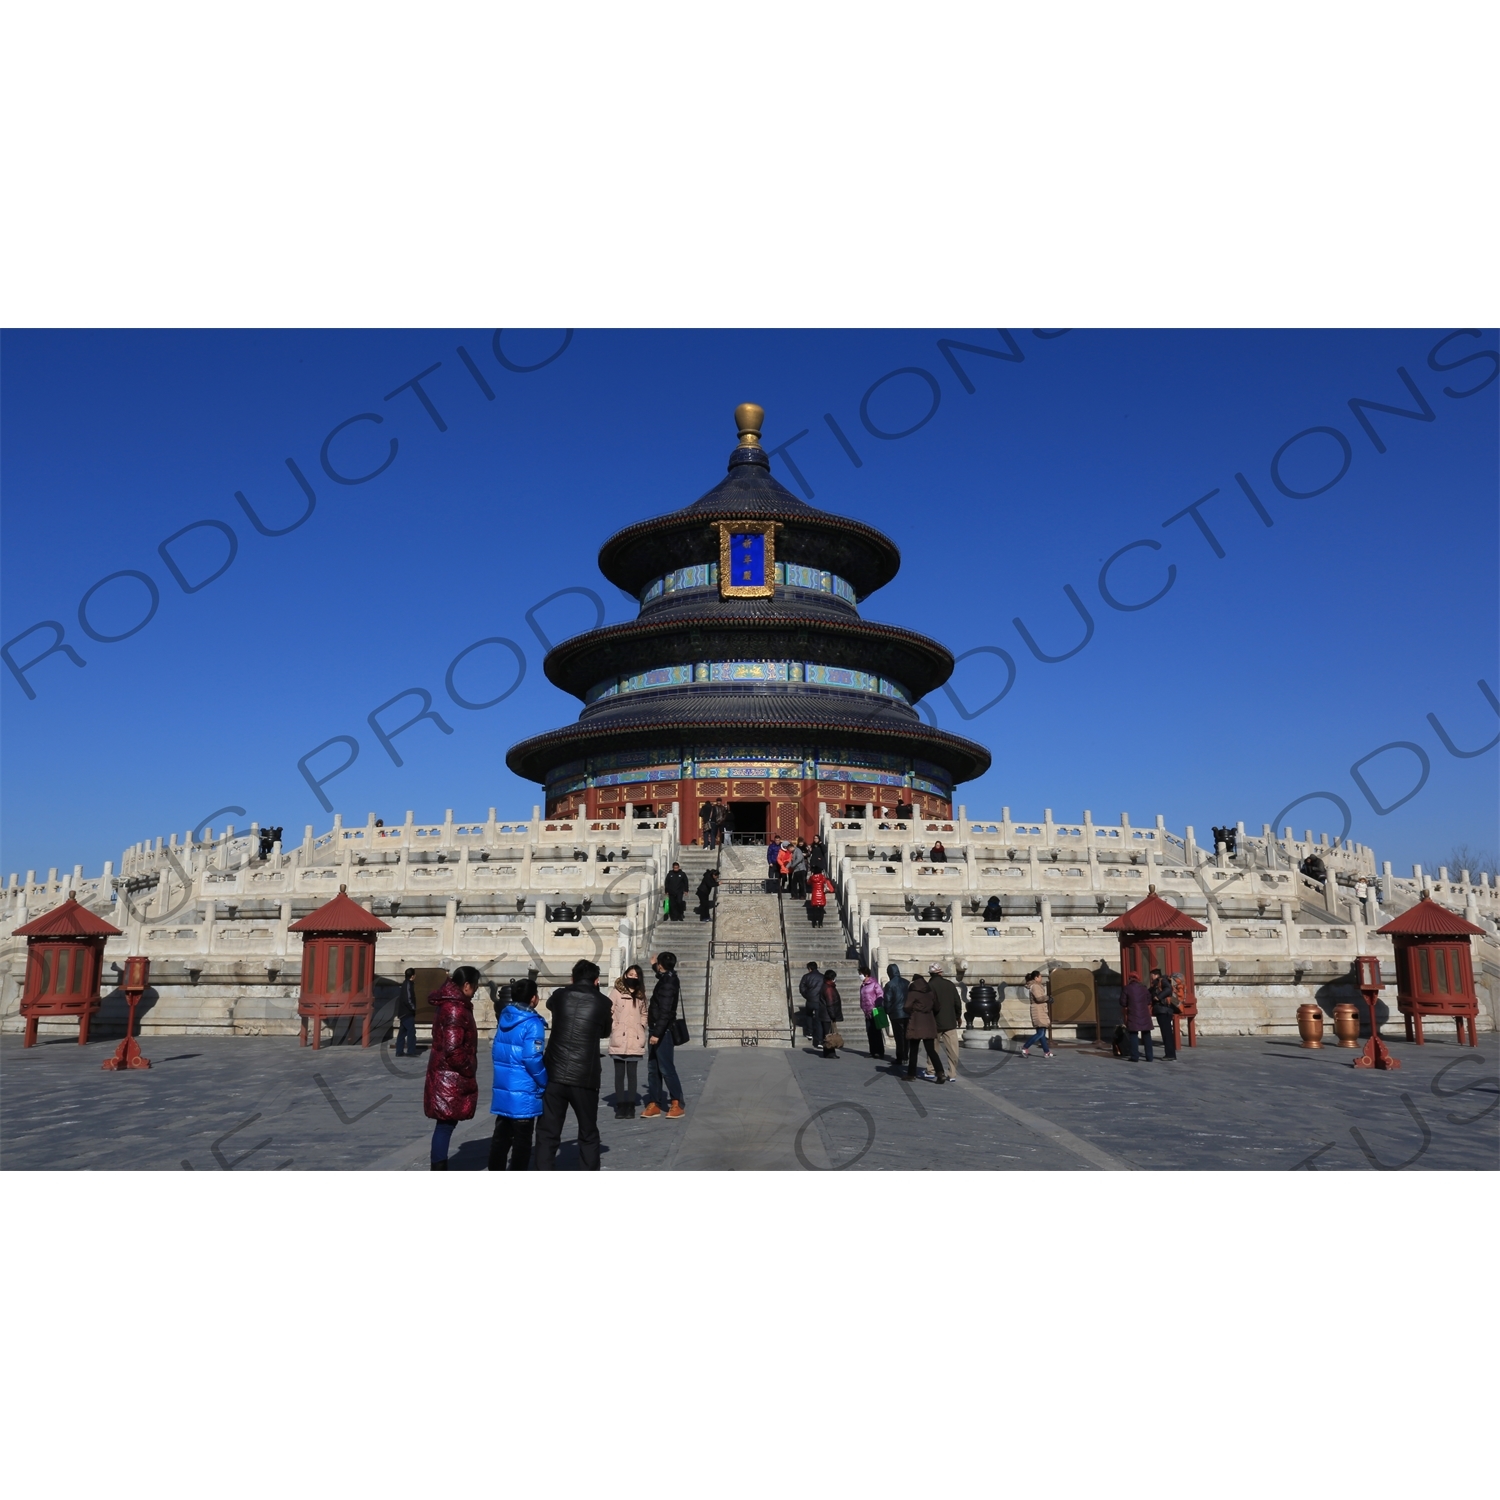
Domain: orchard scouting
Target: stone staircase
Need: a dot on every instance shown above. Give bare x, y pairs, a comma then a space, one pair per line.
688, 939
827, 945
747, 1003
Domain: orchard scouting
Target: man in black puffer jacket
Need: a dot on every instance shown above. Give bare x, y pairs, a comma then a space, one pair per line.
581, 1016
659, 1018
676, 888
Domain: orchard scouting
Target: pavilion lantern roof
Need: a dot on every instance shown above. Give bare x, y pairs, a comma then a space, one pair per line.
340, 915
66, 920
1154, 915
1428, 919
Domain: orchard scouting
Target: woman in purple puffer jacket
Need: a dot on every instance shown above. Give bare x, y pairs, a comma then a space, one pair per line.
452, 1088
870, 998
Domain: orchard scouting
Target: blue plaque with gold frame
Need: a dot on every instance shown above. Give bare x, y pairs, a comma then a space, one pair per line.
747, 560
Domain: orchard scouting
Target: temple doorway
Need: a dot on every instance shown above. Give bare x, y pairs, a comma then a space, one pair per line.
749, 818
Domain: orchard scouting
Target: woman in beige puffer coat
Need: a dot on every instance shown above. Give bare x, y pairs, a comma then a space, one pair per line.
627, 1037
1041, 1013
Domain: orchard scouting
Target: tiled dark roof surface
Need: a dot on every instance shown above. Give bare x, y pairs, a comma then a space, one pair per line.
749, 706
749, 489
532, 758
918, 662
706, 603
867, 558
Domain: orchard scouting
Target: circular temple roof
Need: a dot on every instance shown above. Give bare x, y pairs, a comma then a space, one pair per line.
915, 661
631, 558
783, 716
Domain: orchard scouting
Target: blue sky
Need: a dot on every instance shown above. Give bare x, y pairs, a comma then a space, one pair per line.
1259, 677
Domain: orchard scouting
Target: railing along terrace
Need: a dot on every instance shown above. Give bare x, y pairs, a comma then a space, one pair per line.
210, 859
867, 842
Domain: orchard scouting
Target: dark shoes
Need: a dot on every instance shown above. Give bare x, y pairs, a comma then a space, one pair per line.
438, 1166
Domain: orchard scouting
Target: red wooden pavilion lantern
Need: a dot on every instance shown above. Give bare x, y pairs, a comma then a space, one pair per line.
1434, 968
1155, 935
338, 965
64, 957
136, 982
1376, 1053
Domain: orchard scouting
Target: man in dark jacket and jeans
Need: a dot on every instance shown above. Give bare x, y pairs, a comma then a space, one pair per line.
581, 1018
659, 1018
406, 1016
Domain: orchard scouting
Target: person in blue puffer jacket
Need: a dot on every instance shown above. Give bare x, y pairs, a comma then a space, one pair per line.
520, 1078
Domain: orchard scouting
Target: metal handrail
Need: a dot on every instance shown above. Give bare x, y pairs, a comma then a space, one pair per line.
713, 927
786, 965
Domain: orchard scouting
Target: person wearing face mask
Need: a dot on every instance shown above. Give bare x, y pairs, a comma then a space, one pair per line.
662, 1082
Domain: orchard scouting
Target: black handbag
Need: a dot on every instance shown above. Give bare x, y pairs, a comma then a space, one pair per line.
680, 1032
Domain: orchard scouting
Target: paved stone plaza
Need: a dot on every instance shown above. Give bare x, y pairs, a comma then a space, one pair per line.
263, 1104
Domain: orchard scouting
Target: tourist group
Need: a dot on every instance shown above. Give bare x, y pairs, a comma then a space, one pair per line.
542, 1077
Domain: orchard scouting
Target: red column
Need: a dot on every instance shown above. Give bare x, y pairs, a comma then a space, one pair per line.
808, 819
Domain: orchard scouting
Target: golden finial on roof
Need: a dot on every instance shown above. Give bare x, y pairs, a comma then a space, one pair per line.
748, 418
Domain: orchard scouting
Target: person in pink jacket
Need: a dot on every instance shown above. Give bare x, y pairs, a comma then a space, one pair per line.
871, 996
627, 1037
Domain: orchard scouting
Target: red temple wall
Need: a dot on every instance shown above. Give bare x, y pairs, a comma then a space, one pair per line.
792, 805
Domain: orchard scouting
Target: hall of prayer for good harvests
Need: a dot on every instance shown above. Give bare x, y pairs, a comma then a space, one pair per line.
748, 675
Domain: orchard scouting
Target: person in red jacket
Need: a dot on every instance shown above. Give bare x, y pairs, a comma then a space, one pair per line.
452, 1089
818, 888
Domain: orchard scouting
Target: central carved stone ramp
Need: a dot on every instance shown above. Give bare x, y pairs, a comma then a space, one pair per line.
747, 979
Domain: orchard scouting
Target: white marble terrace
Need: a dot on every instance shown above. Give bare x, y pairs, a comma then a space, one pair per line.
1276, 939
212, 914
